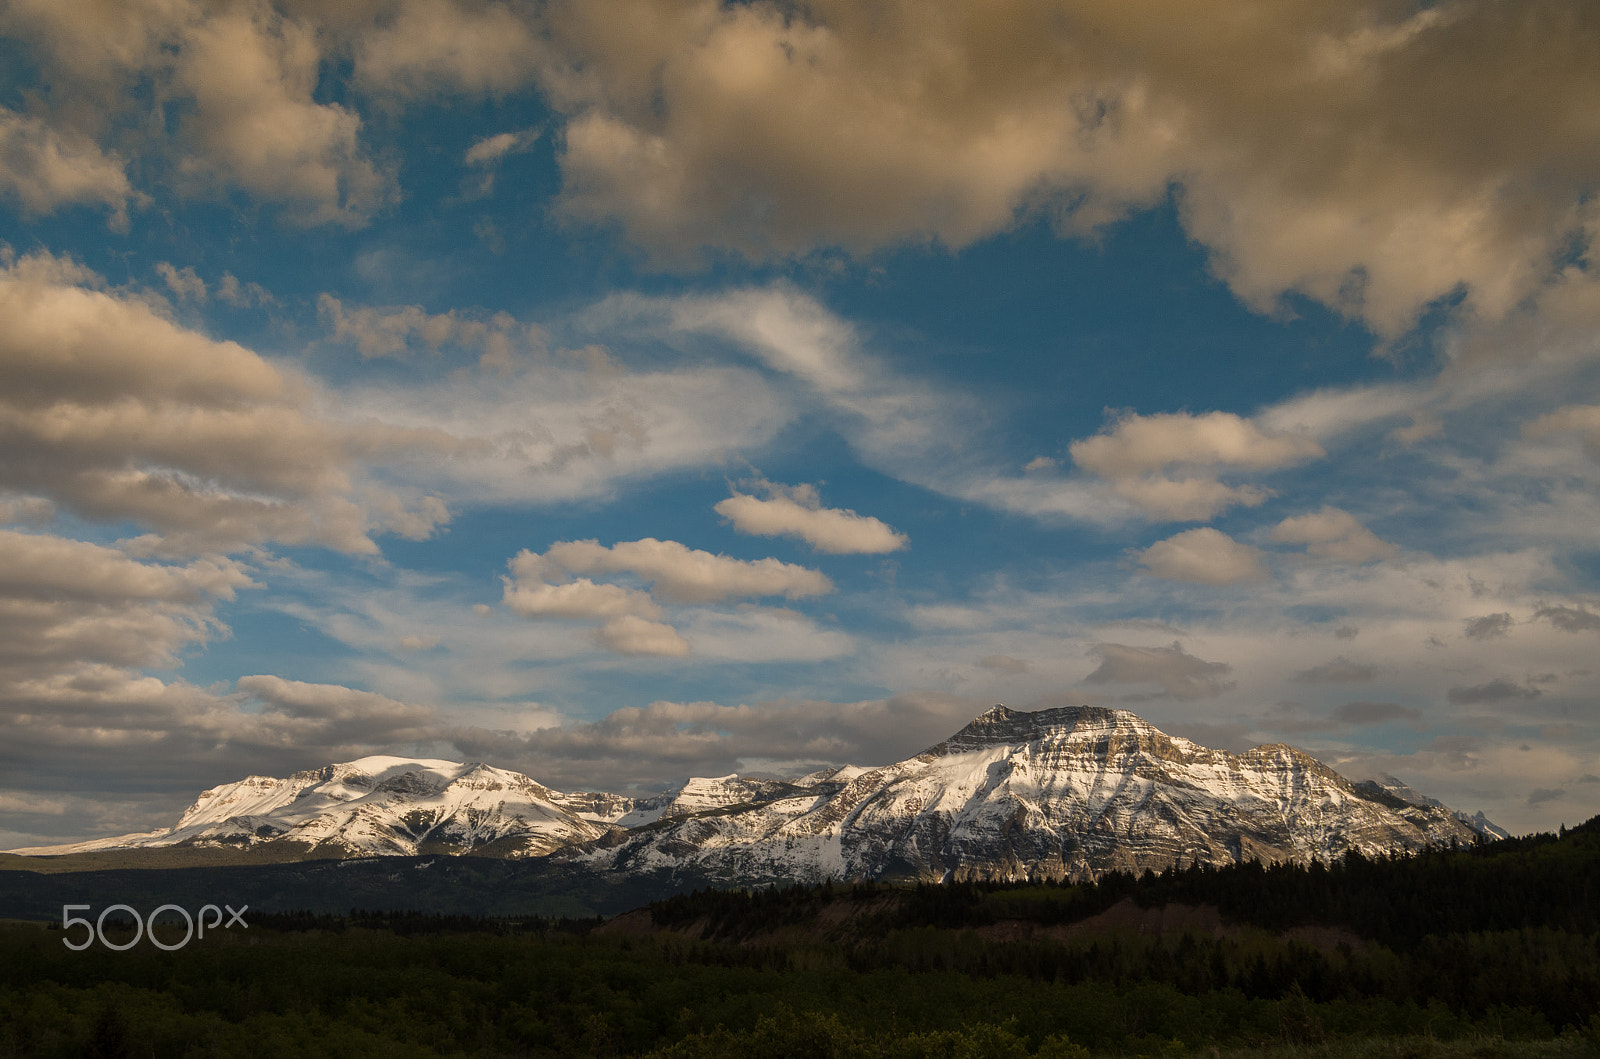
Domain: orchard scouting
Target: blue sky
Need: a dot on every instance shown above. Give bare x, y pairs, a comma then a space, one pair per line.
670, 388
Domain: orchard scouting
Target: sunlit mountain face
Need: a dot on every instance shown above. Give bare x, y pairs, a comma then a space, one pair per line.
620, 396
1068, 793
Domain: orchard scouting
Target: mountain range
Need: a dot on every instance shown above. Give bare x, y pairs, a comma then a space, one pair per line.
1062, 793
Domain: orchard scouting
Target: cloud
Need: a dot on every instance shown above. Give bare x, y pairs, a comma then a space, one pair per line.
1347, 153
651, 746
797, 511
1489, 626
1333, 534
45, 169
1540, 795
114, 412
1569, 619
548, 586
1497, 690
1136, 453
1003, 664
1367, 713
362, 713
678, 573
1204, 556
1136, 445
633, 635
1179, 674
1339, 671
67, 604
241, 82
1583, 420
242, 295
491, 149
390, 331
428, 47
183, 282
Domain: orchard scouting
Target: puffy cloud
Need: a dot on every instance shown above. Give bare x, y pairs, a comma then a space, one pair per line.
633, 635
549, 586
425, 47
1347, 152
678, 573
1136, 445
117, 413
1179, 674
575, 599
1569, 619
1333, 534
45, 169
1204, 556
67, 604
1497, 690
245, 76
1339, 671
1365, 713
1137, 454
1488, 626
797, 511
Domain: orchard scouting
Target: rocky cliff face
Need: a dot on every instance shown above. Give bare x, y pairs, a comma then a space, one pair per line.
1059, 793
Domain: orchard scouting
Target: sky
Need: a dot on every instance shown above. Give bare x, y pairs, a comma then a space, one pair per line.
626, 392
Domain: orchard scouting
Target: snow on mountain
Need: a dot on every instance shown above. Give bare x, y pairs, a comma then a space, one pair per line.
374, 806
1059, 793
1478, 822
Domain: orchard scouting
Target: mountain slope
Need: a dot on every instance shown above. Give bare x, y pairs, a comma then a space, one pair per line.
374, 806
1060, 793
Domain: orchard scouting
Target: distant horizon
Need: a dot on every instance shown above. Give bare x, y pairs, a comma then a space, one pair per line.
697, 388
399, 760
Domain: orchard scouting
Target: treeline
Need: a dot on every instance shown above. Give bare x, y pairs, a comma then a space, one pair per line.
1502, 947
1539, 881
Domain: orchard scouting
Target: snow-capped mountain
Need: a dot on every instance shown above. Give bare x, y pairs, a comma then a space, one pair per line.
1066, 792
374, 806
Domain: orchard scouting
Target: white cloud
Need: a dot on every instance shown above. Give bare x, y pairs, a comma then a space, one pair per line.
492, 149
678, 573
45, 169
630, 634
772, 132
1139, 455
1204, 556
1136, 445
115, 412
576, 599
797, 511
1333, 534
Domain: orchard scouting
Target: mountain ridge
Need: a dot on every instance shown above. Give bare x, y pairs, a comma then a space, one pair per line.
1062, 793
